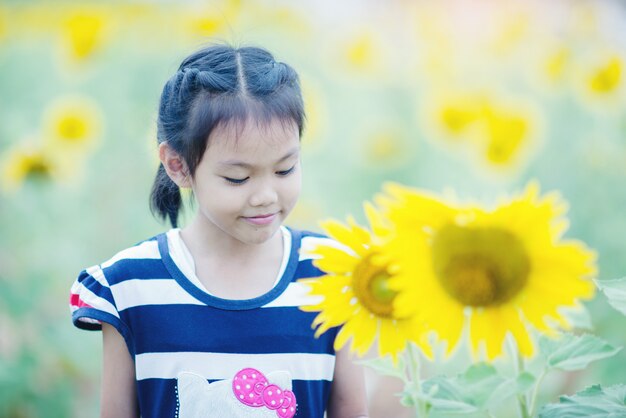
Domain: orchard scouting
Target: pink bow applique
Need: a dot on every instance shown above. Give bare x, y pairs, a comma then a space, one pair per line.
251, 388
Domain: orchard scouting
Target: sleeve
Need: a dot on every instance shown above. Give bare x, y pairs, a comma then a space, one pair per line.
92, 303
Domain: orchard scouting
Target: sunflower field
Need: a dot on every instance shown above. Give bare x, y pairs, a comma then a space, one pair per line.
467, 157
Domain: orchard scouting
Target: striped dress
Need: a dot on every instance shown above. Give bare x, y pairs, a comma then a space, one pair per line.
172, 325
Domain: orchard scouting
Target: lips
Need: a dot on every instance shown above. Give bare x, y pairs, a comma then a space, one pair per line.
261, 219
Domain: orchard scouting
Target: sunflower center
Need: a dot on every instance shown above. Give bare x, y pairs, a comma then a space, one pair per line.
371, 286
72, 128
37, 168
480, 266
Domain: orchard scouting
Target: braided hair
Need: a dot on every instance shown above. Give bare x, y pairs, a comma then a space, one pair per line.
219, 85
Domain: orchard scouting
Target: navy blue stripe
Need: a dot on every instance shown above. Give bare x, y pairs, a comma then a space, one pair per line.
311, 396
157, 398
135, 268
89, 282
158, 328
307, 233
306, 269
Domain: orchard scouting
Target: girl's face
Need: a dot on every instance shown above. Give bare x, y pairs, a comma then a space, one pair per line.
249, 179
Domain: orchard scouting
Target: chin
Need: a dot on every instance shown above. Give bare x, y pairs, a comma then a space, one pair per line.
260, 236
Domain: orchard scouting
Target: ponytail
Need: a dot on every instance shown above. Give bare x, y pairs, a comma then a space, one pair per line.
165, 198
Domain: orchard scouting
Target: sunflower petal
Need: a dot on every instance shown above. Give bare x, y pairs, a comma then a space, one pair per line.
346, 235
334, 260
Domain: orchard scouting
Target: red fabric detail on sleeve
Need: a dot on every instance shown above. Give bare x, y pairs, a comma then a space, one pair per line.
76, 301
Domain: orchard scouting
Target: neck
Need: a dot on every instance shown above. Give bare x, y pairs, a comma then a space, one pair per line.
205, 239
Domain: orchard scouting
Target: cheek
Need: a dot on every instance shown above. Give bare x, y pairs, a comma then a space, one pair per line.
292, 187
218, 197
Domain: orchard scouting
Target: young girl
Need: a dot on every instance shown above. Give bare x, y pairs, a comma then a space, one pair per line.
203, 321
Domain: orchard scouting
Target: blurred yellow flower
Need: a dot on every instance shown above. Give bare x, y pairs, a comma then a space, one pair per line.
360, 51
27, 162
83, 32
458, 113
206, 25
356, 291
505, 268
607, 77
506, 134
72, 123
2, 23
362, 54
498, 132
556, 64
214, 18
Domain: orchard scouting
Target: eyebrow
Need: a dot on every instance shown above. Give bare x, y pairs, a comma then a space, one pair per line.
238, 163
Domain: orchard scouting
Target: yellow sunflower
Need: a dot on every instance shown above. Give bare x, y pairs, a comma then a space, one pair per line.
72, 123
83, 31
355, 292
607, 77
507, 133
499, 131
505, 268
29, 162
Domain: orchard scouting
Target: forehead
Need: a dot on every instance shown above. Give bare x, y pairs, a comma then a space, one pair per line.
252, 138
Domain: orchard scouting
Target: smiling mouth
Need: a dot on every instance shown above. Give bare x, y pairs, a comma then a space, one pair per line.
261, 219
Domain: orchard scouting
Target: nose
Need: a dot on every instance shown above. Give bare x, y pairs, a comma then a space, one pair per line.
264, 194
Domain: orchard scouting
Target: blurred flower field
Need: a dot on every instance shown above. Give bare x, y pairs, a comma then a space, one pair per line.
468, 99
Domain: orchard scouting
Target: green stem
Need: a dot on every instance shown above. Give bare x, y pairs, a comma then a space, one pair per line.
414, 376
533, 397
518, 363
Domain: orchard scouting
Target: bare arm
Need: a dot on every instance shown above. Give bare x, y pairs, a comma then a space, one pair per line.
347, 394
119, 394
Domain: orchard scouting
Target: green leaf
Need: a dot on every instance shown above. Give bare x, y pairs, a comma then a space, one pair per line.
479, 388
509, 388
406, 399
578, 316
615, 291
572, 352
593, 402
451, 407
385, 366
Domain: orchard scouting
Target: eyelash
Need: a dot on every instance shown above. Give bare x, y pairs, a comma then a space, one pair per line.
236, 181
286, 172
242, 181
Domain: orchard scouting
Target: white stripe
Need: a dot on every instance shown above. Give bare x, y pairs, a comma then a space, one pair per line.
148, 249
90, 320
296, 294
309, 244
136, 292
94, 300
97, 273
217, 366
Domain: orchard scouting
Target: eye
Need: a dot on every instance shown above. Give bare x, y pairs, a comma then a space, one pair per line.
286, 172
236, 181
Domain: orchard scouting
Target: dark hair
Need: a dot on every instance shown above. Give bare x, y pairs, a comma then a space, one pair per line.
219, 85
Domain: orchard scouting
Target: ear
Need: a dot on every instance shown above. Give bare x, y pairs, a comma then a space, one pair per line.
175, 166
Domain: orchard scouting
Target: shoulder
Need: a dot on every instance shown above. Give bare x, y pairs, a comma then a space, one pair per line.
310, 240
148, 248
127, 262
